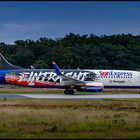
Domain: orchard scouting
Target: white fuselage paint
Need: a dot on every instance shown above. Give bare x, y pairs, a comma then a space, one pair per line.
124, 78
109, 78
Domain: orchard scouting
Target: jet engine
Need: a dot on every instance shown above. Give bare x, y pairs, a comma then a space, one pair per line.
91, 87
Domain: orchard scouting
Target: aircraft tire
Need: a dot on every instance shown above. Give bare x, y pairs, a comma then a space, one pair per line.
71, 91
66, 91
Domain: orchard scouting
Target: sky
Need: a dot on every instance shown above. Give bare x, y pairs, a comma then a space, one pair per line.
21, 20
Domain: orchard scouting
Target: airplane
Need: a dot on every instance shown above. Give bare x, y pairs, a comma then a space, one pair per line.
68, 79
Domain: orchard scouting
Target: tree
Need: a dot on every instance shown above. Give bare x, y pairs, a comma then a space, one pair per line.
40, 64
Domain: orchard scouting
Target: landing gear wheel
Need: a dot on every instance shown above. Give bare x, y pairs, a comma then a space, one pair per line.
66, 91
69, 91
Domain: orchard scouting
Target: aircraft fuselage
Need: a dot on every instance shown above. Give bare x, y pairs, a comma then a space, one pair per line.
47, 78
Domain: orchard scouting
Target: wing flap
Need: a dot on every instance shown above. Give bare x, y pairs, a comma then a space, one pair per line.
70, 81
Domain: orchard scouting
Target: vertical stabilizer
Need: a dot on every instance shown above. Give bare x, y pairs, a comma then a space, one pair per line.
5, 65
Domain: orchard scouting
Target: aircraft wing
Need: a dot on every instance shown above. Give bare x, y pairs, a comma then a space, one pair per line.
66, 80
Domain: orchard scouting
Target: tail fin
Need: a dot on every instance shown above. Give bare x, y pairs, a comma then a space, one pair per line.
56, 68
5, 65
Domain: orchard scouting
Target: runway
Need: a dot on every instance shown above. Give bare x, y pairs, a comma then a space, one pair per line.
74, 97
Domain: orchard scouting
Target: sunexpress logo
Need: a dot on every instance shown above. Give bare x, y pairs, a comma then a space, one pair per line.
117, 74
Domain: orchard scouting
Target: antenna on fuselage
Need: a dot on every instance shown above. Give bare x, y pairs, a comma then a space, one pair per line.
32, 67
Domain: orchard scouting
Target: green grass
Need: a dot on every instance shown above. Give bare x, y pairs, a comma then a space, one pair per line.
69, 119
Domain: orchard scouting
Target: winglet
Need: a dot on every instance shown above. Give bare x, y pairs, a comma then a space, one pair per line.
56, 68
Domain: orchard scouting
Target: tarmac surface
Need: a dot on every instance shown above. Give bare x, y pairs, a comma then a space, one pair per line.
76, 96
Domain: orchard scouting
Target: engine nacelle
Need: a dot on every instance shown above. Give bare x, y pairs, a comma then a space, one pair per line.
91, 87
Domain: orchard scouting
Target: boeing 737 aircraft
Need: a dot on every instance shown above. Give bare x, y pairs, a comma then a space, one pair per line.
68, 79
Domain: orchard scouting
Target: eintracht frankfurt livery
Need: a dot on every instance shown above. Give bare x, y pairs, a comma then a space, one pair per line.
68, 79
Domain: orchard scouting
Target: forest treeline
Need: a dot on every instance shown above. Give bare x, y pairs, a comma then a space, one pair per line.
119, 51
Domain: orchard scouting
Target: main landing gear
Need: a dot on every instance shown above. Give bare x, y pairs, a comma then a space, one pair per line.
69, 91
